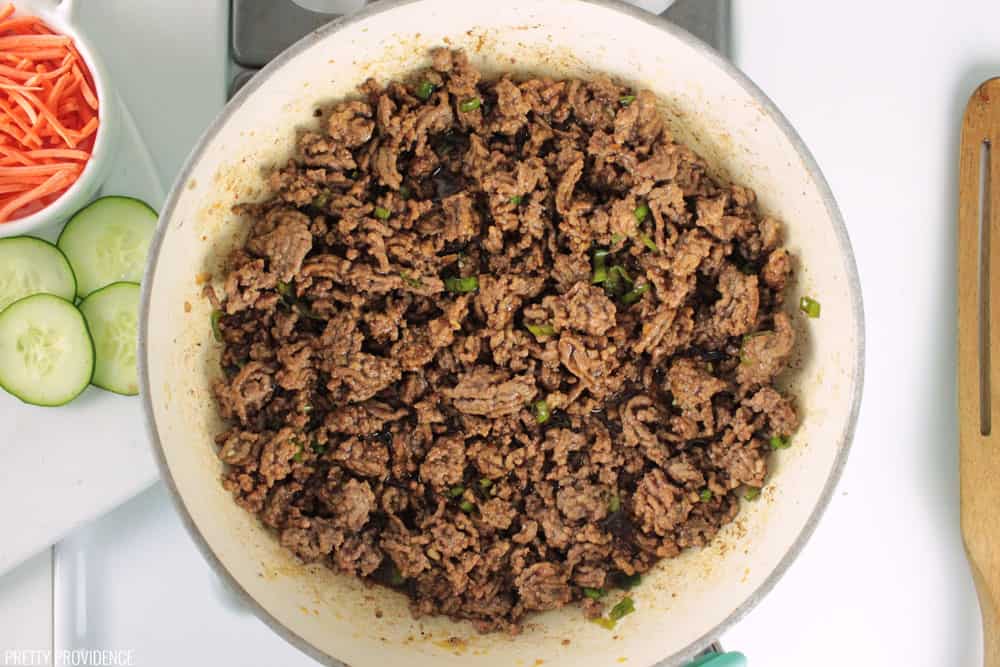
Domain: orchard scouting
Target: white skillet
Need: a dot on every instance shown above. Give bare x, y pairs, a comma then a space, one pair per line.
685, 602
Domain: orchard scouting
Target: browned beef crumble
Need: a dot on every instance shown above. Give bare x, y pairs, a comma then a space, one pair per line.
386, 426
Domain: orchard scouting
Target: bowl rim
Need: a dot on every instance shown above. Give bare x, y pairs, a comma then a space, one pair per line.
95, 169
704, 50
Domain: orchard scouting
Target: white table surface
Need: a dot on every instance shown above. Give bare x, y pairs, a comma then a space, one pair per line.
876, 90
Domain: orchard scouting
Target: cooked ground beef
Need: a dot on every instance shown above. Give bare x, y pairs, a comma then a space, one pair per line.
495, 342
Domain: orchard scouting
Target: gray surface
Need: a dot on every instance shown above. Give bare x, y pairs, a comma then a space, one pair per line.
261, 29
708, 20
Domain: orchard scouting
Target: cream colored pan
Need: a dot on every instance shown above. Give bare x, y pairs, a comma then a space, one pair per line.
685, 602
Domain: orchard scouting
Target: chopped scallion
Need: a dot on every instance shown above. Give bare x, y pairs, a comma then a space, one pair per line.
284, 289
462, 285
425, 90
321, 200
540, 330
777, 442
635, 294
542, 412
705, 495
456, 491
809, 306
614, 504
594, 593
600, 270
617, 238
648, 242
627, 100
485, 483
752, 493
382, 213
622, 609
470, 104
605, 623
216, 331
641, 213
466, 506
516, 200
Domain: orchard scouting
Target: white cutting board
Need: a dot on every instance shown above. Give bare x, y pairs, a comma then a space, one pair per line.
62, 466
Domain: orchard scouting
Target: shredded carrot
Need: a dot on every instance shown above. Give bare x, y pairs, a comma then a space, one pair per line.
19, 23
55, 182
61, 153
33, 41
49, 114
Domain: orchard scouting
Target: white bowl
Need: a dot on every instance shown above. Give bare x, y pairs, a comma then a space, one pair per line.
60, 18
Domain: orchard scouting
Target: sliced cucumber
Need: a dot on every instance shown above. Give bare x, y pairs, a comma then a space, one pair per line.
107, 242
112, 315
33, 266
46, 354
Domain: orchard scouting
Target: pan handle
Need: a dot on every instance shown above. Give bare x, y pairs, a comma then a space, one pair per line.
720, 660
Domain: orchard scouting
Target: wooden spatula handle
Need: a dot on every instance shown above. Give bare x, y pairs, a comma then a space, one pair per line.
979, 351
990, 606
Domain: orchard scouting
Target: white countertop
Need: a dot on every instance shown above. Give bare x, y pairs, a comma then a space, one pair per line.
877, 91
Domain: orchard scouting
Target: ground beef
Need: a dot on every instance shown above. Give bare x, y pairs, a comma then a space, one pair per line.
491, 343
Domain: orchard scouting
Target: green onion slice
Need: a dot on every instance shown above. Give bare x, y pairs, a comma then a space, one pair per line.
648, 242
705, 495
216, 331
635, 294
600, 270
462, 285
626, 100
809, 306
542, 412
594, 593
470, 104
382, 213
614, 504
456, 491
777, 442
622, 609
641, 213
425, 90
466, 506
540, 330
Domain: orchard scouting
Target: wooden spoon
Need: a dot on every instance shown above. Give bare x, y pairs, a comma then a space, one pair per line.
978, 371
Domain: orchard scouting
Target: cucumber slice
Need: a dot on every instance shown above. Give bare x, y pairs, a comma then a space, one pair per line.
112, 315
33, 266
107, 242
46, 354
